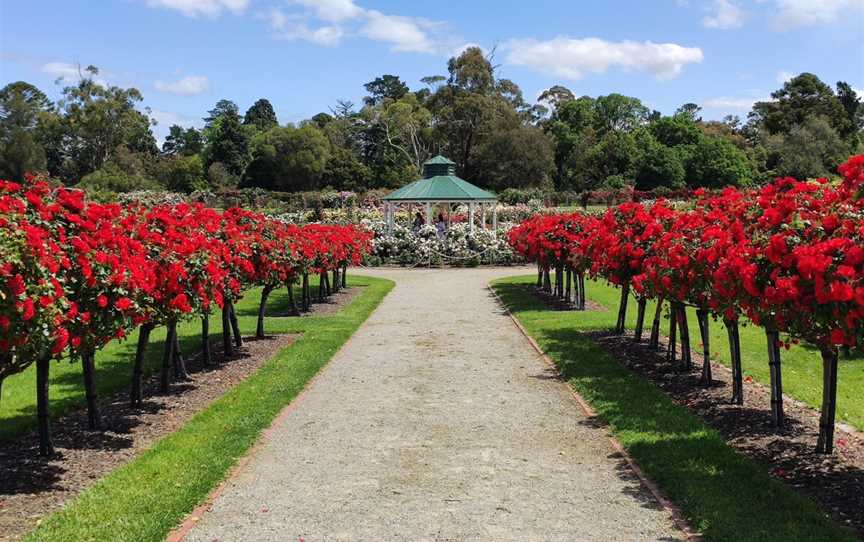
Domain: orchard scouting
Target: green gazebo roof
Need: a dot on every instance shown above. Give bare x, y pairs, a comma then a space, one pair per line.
439, 183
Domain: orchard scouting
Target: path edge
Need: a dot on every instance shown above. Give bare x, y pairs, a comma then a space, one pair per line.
182, 530
674, 512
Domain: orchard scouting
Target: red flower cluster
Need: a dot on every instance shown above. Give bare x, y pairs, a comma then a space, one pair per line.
76, 274
789, 256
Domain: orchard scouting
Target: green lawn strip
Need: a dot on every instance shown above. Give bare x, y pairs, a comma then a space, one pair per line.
114, 365
149, 496
722, 494
802, 364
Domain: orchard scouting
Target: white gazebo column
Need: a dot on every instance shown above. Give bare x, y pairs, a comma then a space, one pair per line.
428, 213
495, 217
388, 215
471, 216
483, 215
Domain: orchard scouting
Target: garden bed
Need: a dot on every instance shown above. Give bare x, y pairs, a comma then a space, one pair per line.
835, 481
32, 486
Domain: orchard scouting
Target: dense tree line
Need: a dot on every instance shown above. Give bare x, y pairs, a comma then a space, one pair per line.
97, 137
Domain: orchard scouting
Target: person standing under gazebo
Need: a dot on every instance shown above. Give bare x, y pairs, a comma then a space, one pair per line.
441, 226
419, 222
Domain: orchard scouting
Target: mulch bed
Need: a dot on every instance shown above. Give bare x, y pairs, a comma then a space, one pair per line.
836, 481
32, 487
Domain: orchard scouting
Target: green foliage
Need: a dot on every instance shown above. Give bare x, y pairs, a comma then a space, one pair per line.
288, 159
615, 154
516, 196
228, 143
20, 153
618, 113
680, 129
184, 142
95, 120
659, 165
386, 87
22, 107
261, 115
715, 163
111, 179
345, 171
181, 173
517, 158
480, 121
812, 149
219, 178
800, 98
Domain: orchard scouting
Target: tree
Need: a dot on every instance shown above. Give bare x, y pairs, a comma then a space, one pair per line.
852, 105
556, 96
223, 107
288, 158
690, 110
181, 173
813, 149
261, 115
22, 106
182, 142
801, 97
383, 88
321, 119
618, 113
520, 157
571, 126
219, 178
406, 126
615, 154
471, 71
679, 129
715, 163
659, 165
112, 179
228, 143
345, 171
95, 121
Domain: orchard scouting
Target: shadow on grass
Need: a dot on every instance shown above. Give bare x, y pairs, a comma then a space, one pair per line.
722, 494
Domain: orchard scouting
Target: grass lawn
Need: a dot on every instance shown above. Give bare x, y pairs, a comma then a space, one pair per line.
802, 365
149, 496
722, 494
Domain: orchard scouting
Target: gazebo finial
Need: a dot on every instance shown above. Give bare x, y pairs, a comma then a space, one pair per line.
438, 166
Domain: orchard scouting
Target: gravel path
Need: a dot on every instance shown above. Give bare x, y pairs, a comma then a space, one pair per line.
436, 421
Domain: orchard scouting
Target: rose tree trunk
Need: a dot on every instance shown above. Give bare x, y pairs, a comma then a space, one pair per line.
825, 444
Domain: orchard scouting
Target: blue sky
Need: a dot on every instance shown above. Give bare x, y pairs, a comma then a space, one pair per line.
303, 55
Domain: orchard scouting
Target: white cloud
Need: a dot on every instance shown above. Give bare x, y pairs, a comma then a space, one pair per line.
194, 8
736, 104
403, 33
294, 27
186, 86
343, 18
795, 13
724, 14
63, 70
333, 11
573, 58
783, 76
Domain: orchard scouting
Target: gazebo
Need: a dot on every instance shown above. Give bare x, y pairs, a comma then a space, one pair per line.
441, 185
